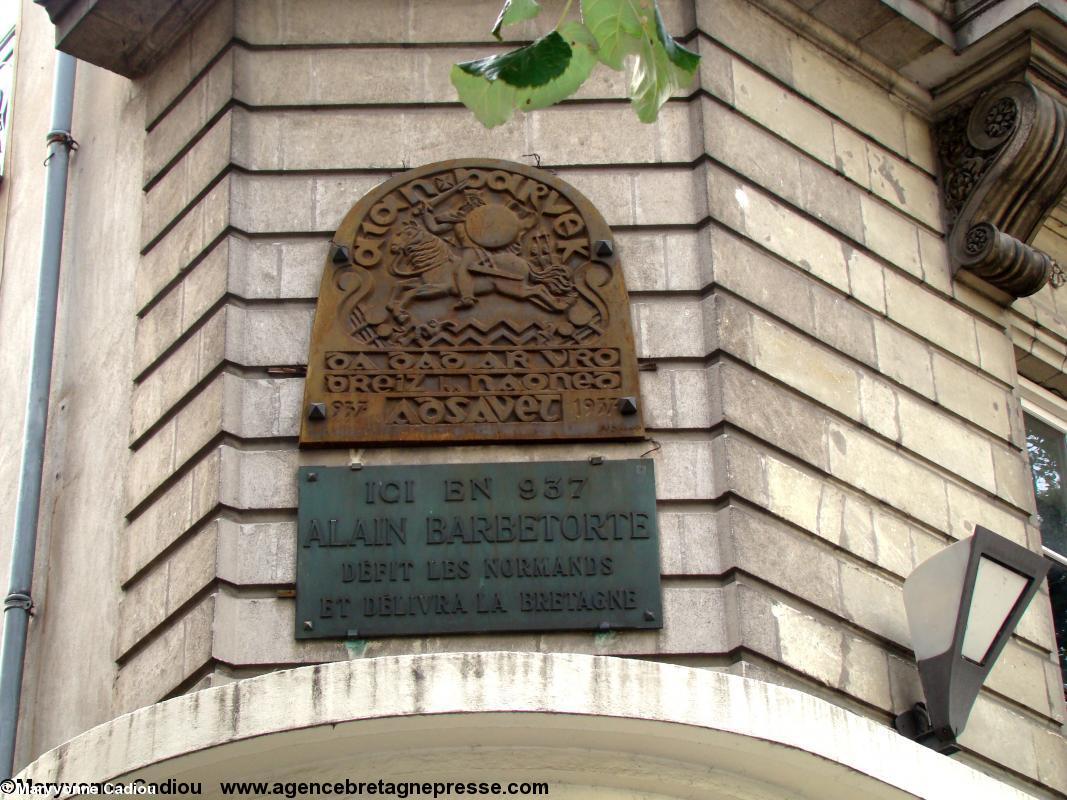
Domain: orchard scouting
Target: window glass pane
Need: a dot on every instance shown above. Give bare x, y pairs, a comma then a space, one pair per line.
1057, 585
7, 73
1048, 460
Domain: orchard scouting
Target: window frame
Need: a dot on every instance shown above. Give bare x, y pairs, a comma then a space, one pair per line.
1052, 410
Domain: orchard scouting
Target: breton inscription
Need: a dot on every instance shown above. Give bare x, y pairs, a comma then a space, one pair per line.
471, 301
396, 551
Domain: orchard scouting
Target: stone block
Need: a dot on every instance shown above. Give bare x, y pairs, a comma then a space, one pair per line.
644, 260
209, 36
747, 30
850, 155
688, 260
904, 358
259, 479
762, 280
142, 607
183, 244
874, 604
937, 268
880, 471
866, 672
920, 141
171, 197
759, 546
437, 134
727, 197
728, 326
606, 134
967, 392
794, 238
969, 509
665, 196
1019, 673
777, 108
259, 408
984, 734
857, 526
180, 308
206, 283
257, 553
611, 191
689, 543
167, 586
1015, 482
686, 470
273, 203
749, 149
657, 397
188, 117
830, 199
905, 187
751, 621
157, 329
1050, 749
175, 376
742, 468
879, 412
669, 327
803, 365
268, 335
691, 402
844, 325
716, 69
150, 464
848, 95
938, 437
809, 645
774, 414
832, 513
894, 542
158, 668
891, 235
201, 420
932, 317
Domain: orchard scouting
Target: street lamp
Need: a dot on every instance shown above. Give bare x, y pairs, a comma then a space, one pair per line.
962, 606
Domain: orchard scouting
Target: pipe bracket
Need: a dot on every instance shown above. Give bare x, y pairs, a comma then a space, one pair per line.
20, 601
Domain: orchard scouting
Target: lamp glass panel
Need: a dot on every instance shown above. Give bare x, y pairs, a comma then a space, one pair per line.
996, 591
932, 599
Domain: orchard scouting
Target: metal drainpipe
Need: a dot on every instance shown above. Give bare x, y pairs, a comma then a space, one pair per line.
18, 604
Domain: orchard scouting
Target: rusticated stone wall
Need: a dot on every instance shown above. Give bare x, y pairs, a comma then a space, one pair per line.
831, 408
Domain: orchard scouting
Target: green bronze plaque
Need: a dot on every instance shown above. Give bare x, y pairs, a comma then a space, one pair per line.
472, 548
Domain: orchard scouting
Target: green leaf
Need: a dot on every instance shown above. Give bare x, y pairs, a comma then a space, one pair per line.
583, 59
661, 68
617, 27
515, 11
491, 101
533, 65
651, 84
681, 57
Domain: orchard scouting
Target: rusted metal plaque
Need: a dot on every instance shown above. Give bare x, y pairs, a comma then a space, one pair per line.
469, 301
472, 548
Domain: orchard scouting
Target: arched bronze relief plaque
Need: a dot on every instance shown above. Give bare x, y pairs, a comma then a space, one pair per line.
471, 301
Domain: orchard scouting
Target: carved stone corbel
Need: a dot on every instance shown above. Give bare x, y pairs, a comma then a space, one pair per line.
1004, 167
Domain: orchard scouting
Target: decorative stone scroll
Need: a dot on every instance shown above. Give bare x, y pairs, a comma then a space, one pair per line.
471, 301
1004, 167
